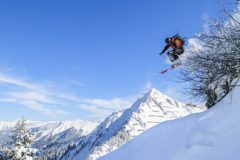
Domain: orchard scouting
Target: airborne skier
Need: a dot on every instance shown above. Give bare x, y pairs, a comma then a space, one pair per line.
176, 43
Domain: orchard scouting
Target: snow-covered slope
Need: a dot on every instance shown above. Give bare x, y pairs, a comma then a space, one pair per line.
51, 138
150, 110
211, 135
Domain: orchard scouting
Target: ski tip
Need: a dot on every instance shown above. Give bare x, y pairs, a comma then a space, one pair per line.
163, 72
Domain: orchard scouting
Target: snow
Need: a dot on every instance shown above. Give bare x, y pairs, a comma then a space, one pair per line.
120, 127
213, 134
20, 152
85, 126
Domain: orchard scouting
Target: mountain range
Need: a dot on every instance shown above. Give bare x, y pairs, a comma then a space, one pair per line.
81, 140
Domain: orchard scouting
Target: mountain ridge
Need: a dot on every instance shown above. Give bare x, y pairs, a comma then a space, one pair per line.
72, 141
152, 108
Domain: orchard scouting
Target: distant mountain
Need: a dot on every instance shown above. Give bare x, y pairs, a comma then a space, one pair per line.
120, 127
52, 138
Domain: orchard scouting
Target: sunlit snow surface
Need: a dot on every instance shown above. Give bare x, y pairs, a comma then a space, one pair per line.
210, 135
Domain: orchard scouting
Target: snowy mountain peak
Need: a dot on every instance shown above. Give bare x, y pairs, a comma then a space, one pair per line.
151, 109
155, 99
153, 93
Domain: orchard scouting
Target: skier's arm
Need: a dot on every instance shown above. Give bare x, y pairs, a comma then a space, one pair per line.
165, 48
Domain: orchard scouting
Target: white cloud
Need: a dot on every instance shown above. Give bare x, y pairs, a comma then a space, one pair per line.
70, 97
113, 104
77, 83
95, 111
32, 95
16, 81
8, 100
29, 94
100, 108
40, 97
37, 106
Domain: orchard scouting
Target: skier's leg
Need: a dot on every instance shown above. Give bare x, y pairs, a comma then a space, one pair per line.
177, 52
170, 56
175, 56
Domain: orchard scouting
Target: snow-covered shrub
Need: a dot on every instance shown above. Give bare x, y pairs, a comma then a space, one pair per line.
214, 67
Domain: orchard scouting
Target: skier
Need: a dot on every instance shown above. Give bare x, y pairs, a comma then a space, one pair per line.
176, 43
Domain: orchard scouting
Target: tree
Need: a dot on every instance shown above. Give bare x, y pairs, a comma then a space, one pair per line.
214, 68
21, 142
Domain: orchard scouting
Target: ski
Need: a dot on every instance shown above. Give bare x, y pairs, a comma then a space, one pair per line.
170, 68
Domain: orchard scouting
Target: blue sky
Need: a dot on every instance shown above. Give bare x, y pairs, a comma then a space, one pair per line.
83, 59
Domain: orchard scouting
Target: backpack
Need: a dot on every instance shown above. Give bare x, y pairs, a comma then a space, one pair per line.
178, 40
